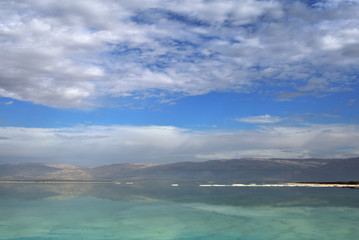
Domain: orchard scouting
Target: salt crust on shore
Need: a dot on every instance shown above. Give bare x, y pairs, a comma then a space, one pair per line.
282, 185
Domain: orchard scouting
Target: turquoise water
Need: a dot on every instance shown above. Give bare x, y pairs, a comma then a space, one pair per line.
159, 211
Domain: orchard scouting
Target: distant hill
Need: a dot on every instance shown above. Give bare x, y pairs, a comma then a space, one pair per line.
26, 171
243, 170
336, 170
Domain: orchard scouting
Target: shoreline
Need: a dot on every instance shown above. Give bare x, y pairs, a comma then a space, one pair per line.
291, 184
349, 184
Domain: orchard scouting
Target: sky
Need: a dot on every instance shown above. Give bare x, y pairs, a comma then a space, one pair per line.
101, 82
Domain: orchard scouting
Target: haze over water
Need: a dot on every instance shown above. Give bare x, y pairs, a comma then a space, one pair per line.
160, 211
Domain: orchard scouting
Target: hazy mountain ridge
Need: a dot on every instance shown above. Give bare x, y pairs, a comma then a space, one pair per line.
215, 170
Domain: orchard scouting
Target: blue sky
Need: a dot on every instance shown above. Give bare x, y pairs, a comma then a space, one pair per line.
100, 82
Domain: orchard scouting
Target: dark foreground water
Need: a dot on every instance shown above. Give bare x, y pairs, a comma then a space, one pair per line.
159, 211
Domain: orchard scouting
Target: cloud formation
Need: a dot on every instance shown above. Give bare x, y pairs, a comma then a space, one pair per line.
260, 119
73, 53
98, 145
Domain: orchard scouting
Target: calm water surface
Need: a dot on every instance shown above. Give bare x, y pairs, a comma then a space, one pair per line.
159, 211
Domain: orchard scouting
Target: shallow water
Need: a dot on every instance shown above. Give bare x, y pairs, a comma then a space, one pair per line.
159, 211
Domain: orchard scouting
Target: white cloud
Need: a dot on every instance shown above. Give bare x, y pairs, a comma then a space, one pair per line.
260, 119
97, 145
7, 103
90, 49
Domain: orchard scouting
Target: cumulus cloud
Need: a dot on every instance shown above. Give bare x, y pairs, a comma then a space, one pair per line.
97, 145
72, 53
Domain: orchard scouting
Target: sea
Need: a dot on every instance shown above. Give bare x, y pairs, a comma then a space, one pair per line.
175, 210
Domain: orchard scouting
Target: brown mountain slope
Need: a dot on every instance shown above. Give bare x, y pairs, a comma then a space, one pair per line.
215, 170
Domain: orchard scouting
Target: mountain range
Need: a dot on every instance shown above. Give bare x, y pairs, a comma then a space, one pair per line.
233, 170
